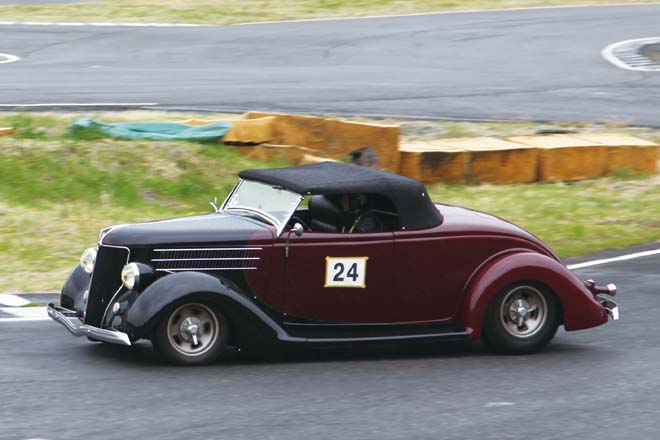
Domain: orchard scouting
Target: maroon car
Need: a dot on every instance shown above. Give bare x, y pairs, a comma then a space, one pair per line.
325, 254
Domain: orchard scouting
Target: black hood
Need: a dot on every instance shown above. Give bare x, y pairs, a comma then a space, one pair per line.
199, 229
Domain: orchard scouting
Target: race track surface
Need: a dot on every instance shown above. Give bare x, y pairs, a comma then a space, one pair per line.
542, 64
599, 383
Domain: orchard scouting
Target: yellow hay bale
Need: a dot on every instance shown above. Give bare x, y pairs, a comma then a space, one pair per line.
566, 157
335, 138
497, 161
433, 163
251, 131
289, 153
626, 152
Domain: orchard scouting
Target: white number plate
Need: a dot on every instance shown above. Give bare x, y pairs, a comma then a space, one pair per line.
346, 272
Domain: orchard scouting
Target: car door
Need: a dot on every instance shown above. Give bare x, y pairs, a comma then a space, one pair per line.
340, 277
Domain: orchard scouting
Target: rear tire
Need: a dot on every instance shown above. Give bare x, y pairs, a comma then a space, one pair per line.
521, 319
191, 334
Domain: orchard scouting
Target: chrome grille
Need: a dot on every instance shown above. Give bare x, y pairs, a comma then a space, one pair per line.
206, 259
106, 281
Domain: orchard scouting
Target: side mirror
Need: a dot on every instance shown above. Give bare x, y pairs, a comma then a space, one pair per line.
298, 230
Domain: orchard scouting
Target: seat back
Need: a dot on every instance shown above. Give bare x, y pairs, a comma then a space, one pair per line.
375, 220
325, 213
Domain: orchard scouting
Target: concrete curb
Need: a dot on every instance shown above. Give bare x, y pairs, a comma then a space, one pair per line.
7, 300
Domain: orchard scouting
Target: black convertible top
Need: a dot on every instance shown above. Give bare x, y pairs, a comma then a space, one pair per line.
415, 208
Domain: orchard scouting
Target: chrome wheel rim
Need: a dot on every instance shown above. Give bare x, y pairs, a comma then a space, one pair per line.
523, 312
192, 329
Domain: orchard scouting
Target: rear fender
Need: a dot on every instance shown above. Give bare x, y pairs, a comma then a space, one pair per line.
580, 309
246, 319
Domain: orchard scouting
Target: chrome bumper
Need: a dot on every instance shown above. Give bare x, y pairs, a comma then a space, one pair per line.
64, 316
610, 306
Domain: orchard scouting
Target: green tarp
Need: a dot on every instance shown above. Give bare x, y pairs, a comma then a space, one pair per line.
155, 131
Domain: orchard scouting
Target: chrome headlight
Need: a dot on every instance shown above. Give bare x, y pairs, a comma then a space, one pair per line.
87, 260
130, 275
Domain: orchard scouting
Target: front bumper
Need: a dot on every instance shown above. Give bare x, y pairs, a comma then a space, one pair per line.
66, 316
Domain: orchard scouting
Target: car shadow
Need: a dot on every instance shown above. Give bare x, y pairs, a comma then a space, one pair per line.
142, 354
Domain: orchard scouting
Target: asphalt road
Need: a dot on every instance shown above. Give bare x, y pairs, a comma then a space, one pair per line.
600, 383
537, 64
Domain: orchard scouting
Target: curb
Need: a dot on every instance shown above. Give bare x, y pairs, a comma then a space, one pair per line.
24, 299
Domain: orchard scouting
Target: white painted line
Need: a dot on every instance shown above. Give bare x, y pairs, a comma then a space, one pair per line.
6, 58
614, 259
23, 319
84, 104
609, 55
496, 404
25, 312
305, 20
99, 24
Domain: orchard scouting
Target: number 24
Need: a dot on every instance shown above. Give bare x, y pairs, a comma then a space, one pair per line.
352, 272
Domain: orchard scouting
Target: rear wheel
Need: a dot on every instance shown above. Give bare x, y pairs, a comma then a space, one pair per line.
522, 319
192, 334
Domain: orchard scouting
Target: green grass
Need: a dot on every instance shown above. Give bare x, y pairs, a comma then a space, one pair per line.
576, 218
58, 190
230, 11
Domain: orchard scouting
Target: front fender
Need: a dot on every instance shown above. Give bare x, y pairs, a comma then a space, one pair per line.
580, 309
73, 291
246, 319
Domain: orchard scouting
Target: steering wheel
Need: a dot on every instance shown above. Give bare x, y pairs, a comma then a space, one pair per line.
295, 219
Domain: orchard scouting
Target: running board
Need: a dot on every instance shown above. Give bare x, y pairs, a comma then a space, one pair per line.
348, 333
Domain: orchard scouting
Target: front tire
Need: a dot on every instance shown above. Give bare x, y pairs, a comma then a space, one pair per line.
521, 319
191, 334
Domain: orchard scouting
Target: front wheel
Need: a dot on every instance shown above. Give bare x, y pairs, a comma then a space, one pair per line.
192, 334
522, 319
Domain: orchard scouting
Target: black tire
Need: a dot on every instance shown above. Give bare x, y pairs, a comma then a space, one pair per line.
173, 340
502, 331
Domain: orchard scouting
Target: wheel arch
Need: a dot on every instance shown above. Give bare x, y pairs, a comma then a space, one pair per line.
579, 308
246, 320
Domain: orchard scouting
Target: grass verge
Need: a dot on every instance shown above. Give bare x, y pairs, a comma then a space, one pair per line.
229, 11
58, 190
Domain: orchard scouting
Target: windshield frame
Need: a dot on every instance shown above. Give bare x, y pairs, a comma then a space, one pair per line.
263, 214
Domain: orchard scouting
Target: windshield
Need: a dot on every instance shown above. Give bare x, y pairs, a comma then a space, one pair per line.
272, 202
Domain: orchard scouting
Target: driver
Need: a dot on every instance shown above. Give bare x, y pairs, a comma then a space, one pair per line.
358, 219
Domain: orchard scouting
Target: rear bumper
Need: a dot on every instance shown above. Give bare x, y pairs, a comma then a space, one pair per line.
611, 307
66, 316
